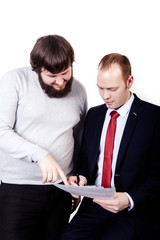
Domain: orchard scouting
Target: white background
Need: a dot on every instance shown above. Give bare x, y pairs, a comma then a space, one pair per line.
94, 28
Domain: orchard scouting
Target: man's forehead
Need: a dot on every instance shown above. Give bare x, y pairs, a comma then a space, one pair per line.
61, 72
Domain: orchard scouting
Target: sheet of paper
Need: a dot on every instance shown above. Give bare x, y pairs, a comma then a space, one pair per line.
88, 191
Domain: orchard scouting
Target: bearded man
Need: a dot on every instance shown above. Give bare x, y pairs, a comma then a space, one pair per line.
42, 111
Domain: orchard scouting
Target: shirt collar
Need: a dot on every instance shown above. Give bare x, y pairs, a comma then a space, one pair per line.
125, 108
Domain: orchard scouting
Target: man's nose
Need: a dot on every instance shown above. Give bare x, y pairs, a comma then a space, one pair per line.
106, 94
59, 80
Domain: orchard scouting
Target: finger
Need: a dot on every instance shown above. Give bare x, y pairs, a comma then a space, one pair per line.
54, 176
73, 180
81, 183
104, 201
44, 179
63, 176
75, 196
106, 207
50, 177
73, 184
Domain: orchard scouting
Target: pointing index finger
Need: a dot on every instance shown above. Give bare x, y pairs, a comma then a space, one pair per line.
63, 176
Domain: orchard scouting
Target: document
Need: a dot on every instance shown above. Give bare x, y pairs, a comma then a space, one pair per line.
88, 191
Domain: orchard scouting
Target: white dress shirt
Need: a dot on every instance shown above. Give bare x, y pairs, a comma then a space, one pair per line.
121, 122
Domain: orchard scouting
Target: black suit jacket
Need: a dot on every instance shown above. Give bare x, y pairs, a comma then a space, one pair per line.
138, 163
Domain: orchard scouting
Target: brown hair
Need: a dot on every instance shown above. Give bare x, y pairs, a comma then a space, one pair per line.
119, 59
52, 52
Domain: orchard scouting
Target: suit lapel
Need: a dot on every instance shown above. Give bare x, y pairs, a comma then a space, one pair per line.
129, 129
99, 125
98, 117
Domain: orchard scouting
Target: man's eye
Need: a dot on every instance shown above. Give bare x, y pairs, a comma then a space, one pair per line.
100, 88
51, 76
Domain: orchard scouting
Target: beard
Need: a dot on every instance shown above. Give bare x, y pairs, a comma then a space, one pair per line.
52, 92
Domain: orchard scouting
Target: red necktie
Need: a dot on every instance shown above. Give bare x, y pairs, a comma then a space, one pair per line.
108, 151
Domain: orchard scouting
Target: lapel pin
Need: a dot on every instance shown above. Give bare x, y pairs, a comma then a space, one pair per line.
135, 113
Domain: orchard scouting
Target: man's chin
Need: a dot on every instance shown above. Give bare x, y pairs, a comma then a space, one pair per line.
59, 89
58, 93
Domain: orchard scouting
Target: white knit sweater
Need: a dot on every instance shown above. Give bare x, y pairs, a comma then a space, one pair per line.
33, 125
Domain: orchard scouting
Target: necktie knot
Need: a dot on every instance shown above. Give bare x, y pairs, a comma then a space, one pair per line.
114, 114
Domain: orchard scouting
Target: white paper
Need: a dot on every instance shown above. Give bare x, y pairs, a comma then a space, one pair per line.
88, 191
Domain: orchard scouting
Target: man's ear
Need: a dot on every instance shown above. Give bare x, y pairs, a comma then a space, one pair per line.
130, 81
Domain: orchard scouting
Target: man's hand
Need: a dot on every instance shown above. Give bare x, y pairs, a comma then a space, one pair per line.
50, 170
115, 205
73, 181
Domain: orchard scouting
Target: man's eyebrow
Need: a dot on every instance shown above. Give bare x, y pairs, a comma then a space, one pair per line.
55, 74
109, 88
65, 71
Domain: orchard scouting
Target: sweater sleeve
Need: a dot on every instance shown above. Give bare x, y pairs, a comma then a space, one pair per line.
11, 142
